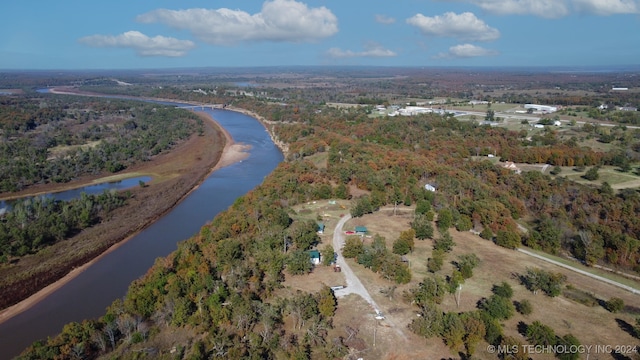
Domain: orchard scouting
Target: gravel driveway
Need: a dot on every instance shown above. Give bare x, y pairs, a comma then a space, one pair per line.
354, 286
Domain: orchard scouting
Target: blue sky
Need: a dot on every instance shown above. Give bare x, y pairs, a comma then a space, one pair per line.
116, 34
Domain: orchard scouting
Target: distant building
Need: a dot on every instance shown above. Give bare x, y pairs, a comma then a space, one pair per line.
619, 89
361, 230
314, 256
512, 166
541, 108
478, 102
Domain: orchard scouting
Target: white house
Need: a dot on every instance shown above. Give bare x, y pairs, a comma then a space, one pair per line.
541, 108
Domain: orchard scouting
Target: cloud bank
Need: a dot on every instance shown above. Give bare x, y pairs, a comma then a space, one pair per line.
371, 50
557, 8
465, 26
383, 19
278, 21
141, 43
466, 51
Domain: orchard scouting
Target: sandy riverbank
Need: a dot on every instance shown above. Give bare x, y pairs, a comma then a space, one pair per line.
231, 154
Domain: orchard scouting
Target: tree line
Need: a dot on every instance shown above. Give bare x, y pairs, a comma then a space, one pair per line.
34, 223
80, 137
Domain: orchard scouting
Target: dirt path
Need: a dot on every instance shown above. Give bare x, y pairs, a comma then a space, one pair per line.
593, 276
354, 285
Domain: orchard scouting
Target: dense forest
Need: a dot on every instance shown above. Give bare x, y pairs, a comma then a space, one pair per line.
51, 138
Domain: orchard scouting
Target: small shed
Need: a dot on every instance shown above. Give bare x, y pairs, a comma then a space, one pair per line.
320, 228
314, 256
361, 230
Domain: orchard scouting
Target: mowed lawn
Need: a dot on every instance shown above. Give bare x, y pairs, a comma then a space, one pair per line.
610, 174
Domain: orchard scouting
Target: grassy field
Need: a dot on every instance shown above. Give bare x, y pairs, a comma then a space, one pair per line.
610, 174
595, 271
592, 325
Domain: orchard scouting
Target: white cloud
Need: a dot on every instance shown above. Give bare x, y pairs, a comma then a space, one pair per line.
279, 20
465, 26
383, 19
141, 43
466, 51
557, 8
607, 7
370, 50
543, 8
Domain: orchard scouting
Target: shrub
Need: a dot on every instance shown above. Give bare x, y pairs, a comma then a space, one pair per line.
486, 234
614, 305
524, 307
592, 174
508, 239
498, 307
504, 290
464, 223
435, 262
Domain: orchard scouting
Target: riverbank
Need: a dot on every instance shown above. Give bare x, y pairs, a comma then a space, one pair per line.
268, 125
176, 175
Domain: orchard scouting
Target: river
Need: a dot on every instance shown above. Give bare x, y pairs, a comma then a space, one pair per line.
88, 294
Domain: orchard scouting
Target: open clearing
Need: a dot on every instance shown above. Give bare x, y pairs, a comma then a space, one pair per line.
591, 325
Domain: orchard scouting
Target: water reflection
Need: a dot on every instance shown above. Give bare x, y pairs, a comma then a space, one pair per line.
89, 190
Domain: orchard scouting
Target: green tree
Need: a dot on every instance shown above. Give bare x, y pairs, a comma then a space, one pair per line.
524, 307
498, 307
361, 206
327, 254
353, 247
592, 174
453, 330
422, 207
466, 263
614, 305
327, 302
508, 239
504, 290
540, 334
430, 322
435, 262
464, 223
422, 227
401, 247
304, 233
299, 262
431, 290
517, 348
474, 331
486, 234
572, 344
445, 219
444, 242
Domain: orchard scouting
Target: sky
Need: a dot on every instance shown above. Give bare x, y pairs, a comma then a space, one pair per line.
135, 34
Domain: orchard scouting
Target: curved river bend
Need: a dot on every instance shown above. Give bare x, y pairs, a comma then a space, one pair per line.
88, 295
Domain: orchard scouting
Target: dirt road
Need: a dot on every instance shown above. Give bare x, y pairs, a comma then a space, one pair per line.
354, 285
600, 278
